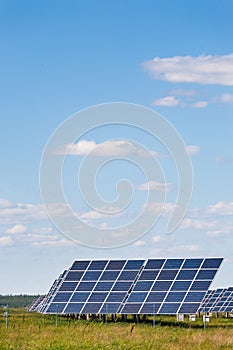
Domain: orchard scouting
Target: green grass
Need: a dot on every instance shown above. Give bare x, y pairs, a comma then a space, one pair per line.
30, 331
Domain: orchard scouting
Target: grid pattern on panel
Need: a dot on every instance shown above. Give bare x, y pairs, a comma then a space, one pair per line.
53, 290
218, 300
35, 305
171, 286
95, 286
160, 286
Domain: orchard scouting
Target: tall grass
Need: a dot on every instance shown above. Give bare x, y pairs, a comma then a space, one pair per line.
29, 331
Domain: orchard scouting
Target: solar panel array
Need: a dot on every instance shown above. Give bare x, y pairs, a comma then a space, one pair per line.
154, 286
219, 300
35, 305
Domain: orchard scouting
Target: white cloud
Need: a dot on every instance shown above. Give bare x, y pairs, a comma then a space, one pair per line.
221, 208
55, 243
110, 148
139, 243
157, 239
168, 101
187, 69
192, 149
6, 241
16, 229
5, 203
155, 208
18, 213
156, 186
217, 233
182, 249
226, 98
200, 104
198, 224
81, 148
92, 215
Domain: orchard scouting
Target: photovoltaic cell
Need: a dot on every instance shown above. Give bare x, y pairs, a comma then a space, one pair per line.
220, 300
161, 286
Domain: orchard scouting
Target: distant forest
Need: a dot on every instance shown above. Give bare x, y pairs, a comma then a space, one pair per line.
15, 301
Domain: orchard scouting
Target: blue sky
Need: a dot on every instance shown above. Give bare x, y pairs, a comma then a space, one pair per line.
60, 57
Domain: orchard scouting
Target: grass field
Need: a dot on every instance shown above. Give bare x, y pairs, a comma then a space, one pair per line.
29, 331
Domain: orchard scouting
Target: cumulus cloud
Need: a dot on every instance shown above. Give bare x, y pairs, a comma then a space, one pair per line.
110, 148
156, 186
158, 239
197, 224
204, 69
19, 213
6, 241
221, 208
226, 98
200, 104
16, 229
167, 101
183, 249
192, 149
139, 243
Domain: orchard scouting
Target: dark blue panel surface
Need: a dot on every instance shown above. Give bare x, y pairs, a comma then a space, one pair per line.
128, 275
173, 264
91, 308
97, 297
169, 308
85, 286
175, 297
212, 263
62, 297
149, 275
109, 275
161, 285
131, 308
122, 286
206, 274
79, 297
97, 265
80, 265
192, 263
189, 308
150, 308
110, 308
133, 264
115, 296
91, 275
143, 286
73, 308
186, 274
68, 286
167, 274
181, 285
194, 296
56, 307
137, 297
154, 297
154, 264
200, 285
102, 286
74, 275
115, 264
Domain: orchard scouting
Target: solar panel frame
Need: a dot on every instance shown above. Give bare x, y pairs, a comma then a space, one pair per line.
101, 286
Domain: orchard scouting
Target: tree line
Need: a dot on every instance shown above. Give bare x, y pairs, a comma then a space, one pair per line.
16, 301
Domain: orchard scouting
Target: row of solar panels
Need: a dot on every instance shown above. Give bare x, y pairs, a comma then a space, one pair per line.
153, 286
218, 300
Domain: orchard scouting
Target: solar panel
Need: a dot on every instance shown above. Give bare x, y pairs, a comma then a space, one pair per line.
219, 300
160, 286
172, 286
